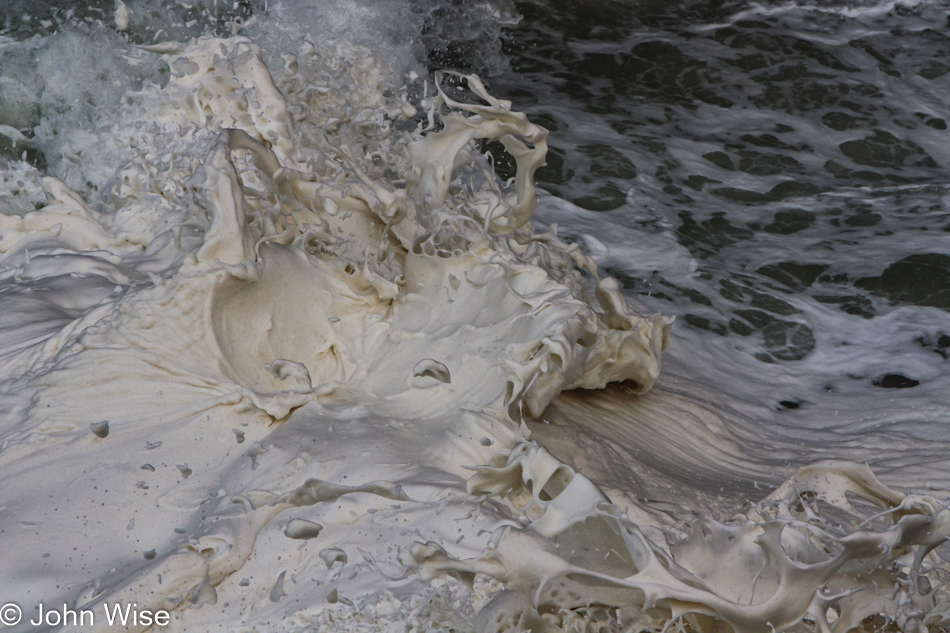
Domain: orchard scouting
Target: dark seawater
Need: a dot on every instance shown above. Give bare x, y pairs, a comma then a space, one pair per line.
775, 174
798, 152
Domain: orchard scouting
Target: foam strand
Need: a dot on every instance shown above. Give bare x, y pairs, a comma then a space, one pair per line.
784, 565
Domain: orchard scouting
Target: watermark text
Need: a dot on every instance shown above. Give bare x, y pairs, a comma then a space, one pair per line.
65, 616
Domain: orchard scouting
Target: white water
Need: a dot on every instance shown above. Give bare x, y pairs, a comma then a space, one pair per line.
292, 304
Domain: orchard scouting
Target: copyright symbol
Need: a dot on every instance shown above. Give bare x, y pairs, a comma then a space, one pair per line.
10, 614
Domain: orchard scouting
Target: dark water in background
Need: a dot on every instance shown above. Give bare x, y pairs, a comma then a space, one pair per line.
775, 174
799, 154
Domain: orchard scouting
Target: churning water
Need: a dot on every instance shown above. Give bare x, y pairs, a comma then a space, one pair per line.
775, 175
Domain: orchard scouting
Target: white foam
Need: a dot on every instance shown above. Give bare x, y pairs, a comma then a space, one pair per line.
283, 254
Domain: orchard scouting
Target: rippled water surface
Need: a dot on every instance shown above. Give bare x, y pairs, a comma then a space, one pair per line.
796, 154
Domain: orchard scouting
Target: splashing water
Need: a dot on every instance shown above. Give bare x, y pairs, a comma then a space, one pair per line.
336, 359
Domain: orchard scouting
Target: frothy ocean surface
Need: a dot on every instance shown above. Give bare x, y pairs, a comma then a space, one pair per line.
432, 445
